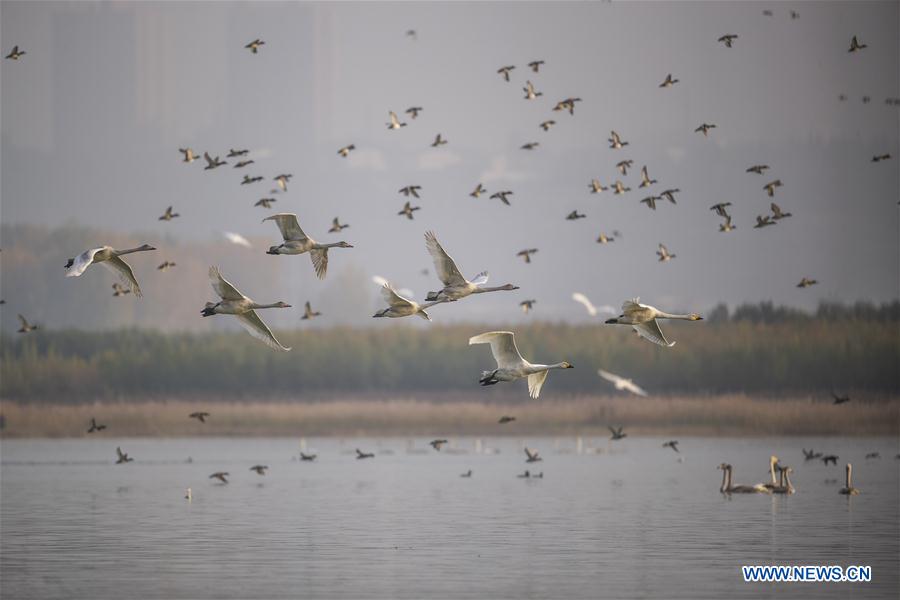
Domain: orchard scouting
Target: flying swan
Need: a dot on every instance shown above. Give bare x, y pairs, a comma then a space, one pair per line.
235, 303
643, 317
109, 258
297, 242
621, 383
456, 286
510, 364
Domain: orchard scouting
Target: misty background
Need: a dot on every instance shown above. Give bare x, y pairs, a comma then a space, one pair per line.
94, 113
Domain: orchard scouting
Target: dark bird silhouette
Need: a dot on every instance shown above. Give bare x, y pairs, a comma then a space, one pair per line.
345, 151
413, 111
668, 82
25, 326
506, 419
615, 142
502, 196
438, 141
166, 265
763, 221
254, 48
650, 201
617, 434
527, 305
728, 39
830, 458
247, 179
200, 416
546, 125
478, 191
265, 202
169, 215
673, 444
122, 457
721, 209
221, 476
94, 427
336, 226
840, 399
704, 129
670, 194
536, 65
529, 146
260, 469
504, 71
758, 169
881, 157
436, 444
15, 54
771, 186
623, 166
360, 454
212, 163
567, 104
232, 153
805, 283
526, 254
575, 215
307, 456
777, 213
855, 46
467, 473
873, 455
410, 190
243, 163
407, 210
532, 456
120, 290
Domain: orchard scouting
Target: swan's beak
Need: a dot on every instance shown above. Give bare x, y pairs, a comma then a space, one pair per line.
271, 250
611, 321
570, 366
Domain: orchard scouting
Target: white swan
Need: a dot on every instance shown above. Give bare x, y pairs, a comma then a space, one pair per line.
848, 489
297, 242
642, 318
237, 239
381, 282
621, 383
109, 258
456, 286
235, 303
589, 306
400, 306
510, 364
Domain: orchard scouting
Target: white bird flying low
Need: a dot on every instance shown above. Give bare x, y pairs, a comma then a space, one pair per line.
111, 259
643, 317
237, 239
589, 306
297, 242
456, 286
235, 303
621, 383
510, 364
400, 306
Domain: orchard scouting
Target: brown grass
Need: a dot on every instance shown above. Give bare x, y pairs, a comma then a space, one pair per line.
711, 415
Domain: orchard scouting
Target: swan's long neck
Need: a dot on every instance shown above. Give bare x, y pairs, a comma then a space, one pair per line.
728, 471
327, 246
849, 474
131, 250
786, 481
664, 315
772, 462
481, 290
255, 306
724, 487
538, 368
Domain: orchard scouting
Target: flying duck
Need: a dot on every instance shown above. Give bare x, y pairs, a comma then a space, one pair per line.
663, 253
505, 71
855, 46
527, 305
243, 163
220, 475
502, 196
530, 94
645, 179
232, 153
546, 125
407, 210
200, 416
669, 82
169, 215
166, 265
212, 163
704, 129
254, 48
189, 155
770, 187
615, 142
617, 433
95, 427
345, 151
438, 141
122, 457
413, 111
575, 215
479, 189
247, 179
336, 226
526, 254
728, 39
410, 190
536, 65
596, 187
623, 166
26, 326
532, 456
16, 53
265, 202
395, 122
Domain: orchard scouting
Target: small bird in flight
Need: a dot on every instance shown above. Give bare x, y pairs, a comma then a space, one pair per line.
307, 456
200, 416
506, 419
120, 290
169, 215
526, 254
617, 433
840, 399
546, 125
336, 226
220, 475
26, 327
530, 94
605, 239
165, 266
720, 208
505, 71
212, 162
265, 202
669, 82
669, 194
395, 122
728, 39
122, 457
532, 456
645, 179
281, 180
650, 201
345, 151
763, 221
704, 129
530, 146
770, 187
536, 65
407, 210
855, 46
575, 215
596, 187
360, 454
438, 141
436, 444
615, 142
777, 214
805, 283
189, 155
478, 191
527, 305
410, 190
663, 253
619, 188
758, 169
247, 179
413, 111
881, 157
232, 153
243, 163
567, 104
502, 196
309, 313
727, 226
94, 427
254, 45
623, 166
16, 53
673, 444
260, 469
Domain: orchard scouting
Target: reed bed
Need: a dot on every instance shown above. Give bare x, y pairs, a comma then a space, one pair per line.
410, 415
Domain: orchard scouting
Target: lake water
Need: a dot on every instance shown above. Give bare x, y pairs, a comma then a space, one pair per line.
626, 520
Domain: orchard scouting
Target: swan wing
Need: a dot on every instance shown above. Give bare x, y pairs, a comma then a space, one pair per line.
650, 331
481, 278
611, 377
236, 238
536, 382
633, 387
379, 280
123, 270
393, 298
289, 226
632, 305
255, 327
222, 287
446, 268
503, 347
581, 298
319, 259
82, 262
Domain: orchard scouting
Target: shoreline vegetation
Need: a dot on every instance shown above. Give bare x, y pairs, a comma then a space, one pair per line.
420, 415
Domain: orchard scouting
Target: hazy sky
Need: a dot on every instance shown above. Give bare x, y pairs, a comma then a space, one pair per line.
93, 115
